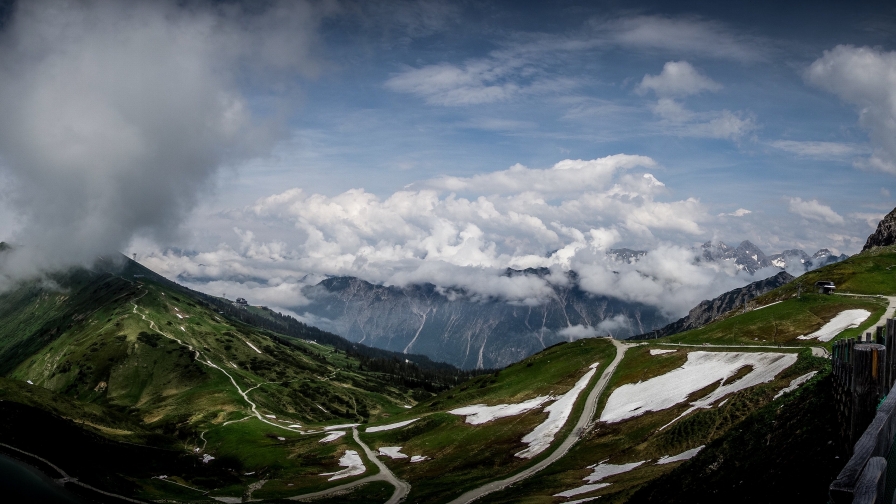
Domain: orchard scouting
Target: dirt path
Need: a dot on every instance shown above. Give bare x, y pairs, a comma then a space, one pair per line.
401, 487
583, 423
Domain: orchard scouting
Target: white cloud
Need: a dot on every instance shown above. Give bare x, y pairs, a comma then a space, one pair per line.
678, 78
813, 210
563, 218
568, 176
866, 78
676, 119
740, 212
683, 36
818, 150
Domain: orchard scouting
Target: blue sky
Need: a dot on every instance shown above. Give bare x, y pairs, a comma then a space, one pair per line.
254, 148
537, 84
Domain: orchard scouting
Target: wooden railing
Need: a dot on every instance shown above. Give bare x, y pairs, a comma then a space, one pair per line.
864, 372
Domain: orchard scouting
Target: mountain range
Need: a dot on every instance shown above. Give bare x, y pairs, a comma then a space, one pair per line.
453, 327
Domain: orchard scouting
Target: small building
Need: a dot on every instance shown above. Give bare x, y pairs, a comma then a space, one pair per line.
825, 286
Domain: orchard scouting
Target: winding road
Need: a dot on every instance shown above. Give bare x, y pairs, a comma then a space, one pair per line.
401, 487
580, 427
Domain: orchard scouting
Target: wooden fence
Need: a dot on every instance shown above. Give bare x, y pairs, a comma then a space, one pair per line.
864, 371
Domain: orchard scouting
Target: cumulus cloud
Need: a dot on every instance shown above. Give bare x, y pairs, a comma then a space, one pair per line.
740, 212
678, 78
813, 210
866, 78
113, 115
568, 176
463, 233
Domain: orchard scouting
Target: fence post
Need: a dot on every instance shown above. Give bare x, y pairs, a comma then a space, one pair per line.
867, 386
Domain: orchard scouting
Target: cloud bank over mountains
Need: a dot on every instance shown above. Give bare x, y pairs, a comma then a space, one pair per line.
464, 232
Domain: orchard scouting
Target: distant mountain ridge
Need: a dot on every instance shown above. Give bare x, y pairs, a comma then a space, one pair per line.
709, 310
749, 257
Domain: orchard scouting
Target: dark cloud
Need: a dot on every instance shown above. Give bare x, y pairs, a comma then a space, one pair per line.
114, 115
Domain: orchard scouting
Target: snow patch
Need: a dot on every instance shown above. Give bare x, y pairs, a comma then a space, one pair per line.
418, 458
582, 489
480, 413
179, 316
847, 319
333, 436
252, 346
796, 382
182, 329
666, 459
699, 371
657, 351
207, 458
601, 471
393, 452
294, 426
271, 416
281, 438
540, 438
391, 426
352, 463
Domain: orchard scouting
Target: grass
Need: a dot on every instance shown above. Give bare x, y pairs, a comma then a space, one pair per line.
639, 438
781, 323
464, 456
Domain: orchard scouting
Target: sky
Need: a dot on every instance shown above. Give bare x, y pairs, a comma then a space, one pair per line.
254, 148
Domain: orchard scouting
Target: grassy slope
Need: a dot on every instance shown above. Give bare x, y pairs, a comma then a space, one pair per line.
743, 420
464, 456
94, 359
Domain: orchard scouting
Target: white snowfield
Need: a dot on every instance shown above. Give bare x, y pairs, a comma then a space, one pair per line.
540, 438
657, 351
393, 452
352, 463
667, 459
796, 382
332, 436
418, 458
844, 320
700, 370
599, 472
480, 413
397, 425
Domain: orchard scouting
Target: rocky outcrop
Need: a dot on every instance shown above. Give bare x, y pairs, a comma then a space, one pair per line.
885, 235
709, 310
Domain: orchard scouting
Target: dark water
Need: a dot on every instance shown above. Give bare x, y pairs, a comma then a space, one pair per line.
21, 483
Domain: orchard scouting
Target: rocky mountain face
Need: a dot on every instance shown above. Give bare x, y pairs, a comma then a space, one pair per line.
749, 257
885, 234
746, 255
451, 327
709, 310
